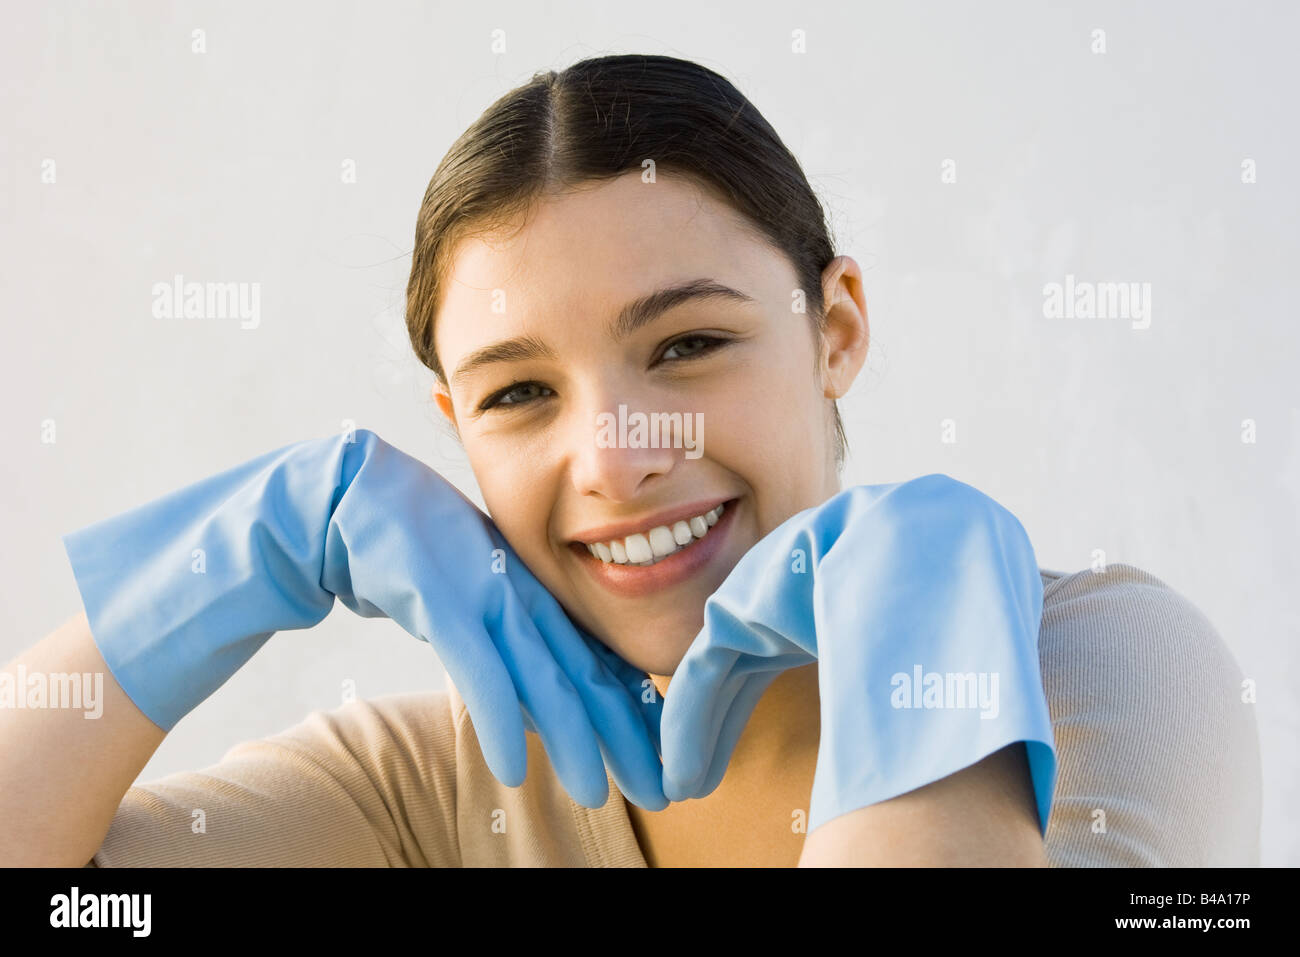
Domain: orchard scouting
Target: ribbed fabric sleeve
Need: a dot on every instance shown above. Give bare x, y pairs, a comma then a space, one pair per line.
371, 784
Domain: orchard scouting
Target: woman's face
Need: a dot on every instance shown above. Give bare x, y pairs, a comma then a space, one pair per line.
562, 306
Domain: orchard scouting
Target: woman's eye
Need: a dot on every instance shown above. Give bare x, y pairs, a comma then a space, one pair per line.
522, 393
694, 346
519, 393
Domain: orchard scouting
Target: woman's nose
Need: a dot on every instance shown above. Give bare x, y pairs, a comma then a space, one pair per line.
620, 449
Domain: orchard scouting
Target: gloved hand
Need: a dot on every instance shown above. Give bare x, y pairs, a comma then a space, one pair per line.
182, 591
883, 586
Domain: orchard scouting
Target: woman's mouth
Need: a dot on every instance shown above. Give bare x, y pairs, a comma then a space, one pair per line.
659, 556
648, 548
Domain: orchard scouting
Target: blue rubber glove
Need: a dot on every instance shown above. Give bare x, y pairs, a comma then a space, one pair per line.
182, 591
877, 582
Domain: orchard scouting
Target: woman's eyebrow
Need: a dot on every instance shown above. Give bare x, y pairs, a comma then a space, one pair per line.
519, 349
636, 314
648, 308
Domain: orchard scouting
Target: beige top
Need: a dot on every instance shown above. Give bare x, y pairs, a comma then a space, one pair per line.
1157, 765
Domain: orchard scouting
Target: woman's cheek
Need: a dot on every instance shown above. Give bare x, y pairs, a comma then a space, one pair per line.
519, 515
737, 420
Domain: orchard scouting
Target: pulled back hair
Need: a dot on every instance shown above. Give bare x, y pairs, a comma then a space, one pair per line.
595, 121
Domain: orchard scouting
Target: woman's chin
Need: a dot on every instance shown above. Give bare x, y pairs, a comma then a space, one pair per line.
662, 659
655, 647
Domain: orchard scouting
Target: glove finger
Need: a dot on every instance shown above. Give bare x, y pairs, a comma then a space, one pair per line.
556, 708
695, 705
626, 728
743, 703
620, 719
711, 698
489, 693
640, 687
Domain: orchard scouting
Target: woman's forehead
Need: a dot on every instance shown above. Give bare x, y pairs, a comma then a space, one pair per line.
620, 219
590, 252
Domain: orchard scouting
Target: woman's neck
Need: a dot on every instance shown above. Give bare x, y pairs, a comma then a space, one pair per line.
787, 715
758, 815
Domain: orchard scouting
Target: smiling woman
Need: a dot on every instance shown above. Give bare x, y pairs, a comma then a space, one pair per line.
630, 235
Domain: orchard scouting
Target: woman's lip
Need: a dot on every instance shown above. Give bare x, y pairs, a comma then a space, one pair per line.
634, 581
668, 517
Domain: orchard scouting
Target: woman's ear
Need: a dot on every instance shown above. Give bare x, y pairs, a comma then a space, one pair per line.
846, 336
443, 399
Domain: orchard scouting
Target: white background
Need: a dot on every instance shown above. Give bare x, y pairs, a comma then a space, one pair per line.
225, 166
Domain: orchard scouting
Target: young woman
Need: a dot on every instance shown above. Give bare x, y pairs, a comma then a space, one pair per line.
630, 236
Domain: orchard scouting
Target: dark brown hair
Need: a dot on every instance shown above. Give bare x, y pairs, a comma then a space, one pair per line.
597, 120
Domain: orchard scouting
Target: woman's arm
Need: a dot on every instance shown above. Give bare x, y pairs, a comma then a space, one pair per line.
63, 774
371, 784
982, 816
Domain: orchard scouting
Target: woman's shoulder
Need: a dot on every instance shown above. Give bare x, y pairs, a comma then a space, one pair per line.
369, 783
416, 730
1122, 633
1154, 722
408, 716
1125, 611
423, 755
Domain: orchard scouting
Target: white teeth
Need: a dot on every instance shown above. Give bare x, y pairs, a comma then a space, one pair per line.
661, 541
646, 548
638, 548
